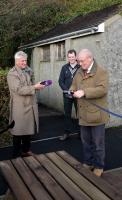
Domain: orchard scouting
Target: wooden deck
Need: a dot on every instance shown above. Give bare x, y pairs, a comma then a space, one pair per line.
57, 175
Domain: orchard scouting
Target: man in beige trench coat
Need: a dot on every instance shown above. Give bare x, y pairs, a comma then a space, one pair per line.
90, 86
23, 104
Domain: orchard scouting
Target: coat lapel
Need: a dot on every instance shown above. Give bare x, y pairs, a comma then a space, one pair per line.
24, 76
92, 72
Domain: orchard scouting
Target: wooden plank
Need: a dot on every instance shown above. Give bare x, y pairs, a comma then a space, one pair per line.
62, 179
56, 191
14, 181
81, 181
111, 171
114, 178
30, 180
9, 195
97, 181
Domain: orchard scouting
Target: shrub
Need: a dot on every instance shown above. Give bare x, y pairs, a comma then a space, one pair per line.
5, 138
4, 98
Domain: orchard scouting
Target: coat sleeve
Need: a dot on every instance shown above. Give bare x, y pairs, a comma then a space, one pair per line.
15, 86
62, 79
101, 87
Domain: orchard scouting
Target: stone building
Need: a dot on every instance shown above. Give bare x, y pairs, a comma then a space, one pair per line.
101, 32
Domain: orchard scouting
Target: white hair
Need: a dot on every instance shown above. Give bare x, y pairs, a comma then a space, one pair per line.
86, 52
20, 54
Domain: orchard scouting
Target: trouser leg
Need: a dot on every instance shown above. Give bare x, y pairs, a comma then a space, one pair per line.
93, 142
77, 126
86, 144
75, 105
98, 135
67, 114
16, 146
26, 143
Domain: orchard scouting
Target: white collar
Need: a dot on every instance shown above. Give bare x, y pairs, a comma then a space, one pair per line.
89, 69
73, 65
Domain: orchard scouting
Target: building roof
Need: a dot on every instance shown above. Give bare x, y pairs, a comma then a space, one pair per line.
81, 23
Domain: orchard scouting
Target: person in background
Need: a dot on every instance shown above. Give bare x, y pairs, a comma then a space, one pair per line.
23, 105
66, 76
90, 87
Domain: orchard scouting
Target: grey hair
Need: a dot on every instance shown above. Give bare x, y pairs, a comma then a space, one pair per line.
87, 52
20, 54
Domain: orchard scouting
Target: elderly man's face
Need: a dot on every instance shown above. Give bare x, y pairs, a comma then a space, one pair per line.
84, 61
21, 62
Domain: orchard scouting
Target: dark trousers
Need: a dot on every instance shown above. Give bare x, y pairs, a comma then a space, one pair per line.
21, 143
93, 141
68, 105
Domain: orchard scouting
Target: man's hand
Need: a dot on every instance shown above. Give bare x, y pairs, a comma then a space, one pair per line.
79, 94
39, 86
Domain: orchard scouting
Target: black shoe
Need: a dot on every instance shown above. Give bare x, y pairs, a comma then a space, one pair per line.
64, 137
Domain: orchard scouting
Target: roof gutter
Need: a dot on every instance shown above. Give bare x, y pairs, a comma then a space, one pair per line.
80, 33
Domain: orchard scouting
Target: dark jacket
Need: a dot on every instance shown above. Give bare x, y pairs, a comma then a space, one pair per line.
66, 77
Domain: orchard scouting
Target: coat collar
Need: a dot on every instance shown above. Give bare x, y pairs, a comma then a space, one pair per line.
27, 70
24, 76
19, 71
92, 72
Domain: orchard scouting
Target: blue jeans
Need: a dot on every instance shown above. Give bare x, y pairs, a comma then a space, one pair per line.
93, 141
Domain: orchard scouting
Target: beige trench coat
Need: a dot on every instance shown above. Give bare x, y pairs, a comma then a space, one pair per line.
95, 86
23, 104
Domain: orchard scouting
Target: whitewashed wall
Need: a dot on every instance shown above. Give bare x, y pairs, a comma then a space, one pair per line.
107, 50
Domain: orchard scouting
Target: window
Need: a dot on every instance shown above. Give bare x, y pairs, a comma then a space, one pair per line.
46, 53
60, 51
